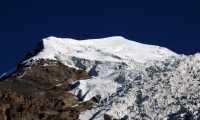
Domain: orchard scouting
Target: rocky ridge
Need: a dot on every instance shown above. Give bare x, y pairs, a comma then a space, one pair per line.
40, 91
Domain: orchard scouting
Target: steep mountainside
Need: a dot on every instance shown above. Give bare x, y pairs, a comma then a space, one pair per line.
109, 78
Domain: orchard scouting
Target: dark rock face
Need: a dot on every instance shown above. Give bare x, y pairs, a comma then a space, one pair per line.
40, 47
40, 91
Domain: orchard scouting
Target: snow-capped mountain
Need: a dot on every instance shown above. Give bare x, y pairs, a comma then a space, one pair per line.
113, 49
132, 80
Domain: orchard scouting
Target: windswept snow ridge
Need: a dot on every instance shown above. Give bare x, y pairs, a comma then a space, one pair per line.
134, 80
112, 49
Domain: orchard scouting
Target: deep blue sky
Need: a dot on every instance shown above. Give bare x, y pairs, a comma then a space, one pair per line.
174, 24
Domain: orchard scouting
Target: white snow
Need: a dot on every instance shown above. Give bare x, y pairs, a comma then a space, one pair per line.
134, 80
101, 56
113, 49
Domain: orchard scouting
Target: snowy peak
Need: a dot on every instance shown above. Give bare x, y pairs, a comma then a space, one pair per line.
113, 49
124, 79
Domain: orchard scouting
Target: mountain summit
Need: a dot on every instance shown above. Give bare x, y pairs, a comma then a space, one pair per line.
113, 49
108, 78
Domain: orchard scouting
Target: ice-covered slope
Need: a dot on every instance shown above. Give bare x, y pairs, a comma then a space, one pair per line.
155, 90
113, 49
105, 59
134, 80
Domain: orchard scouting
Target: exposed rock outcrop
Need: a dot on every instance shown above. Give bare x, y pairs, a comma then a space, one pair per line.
39, 90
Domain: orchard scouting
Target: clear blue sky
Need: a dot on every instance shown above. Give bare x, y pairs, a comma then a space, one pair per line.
174, 24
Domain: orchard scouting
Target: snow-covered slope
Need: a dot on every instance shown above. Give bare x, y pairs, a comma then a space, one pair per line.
105, 59
155, 90
134, 80
113, 49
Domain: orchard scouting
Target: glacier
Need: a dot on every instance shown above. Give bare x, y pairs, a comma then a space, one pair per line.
134, 80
